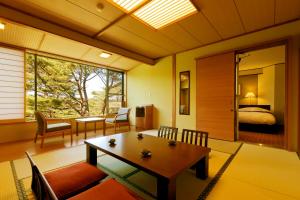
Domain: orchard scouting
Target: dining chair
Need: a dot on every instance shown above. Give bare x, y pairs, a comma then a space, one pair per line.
120, 119
194, 137
168, 132
46, 128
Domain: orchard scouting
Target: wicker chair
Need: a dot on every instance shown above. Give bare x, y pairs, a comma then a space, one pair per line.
121, 119
44, 128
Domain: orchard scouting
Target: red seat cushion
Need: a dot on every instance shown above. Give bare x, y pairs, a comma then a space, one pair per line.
108, 190
69, 181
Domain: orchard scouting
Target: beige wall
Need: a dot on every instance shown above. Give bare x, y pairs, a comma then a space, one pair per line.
185, 61
266, 87
152, 85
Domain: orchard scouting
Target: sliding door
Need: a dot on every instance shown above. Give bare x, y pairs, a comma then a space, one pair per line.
215, 81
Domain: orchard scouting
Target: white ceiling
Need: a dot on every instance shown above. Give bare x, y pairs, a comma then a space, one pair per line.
262, 58
216, 20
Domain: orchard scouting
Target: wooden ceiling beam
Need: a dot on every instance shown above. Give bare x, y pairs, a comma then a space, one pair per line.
21, 17
119, 19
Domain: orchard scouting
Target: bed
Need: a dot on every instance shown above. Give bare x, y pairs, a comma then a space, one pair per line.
257, 118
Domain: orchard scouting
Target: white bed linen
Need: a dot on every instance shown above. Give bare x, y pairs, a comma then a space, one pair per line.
255, 115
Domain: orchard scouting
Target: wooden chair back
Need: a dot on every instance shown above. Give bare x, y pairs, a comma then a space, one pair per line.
168, 132
41, 122
39, 184
194, 137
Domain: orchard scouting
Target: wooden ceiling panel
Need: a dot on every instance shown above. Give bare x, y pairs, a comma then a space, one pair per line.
287, 10
109, 11
256, 14
223, 15
156, 37
63, 46
92, 55
63, 11
21, 36
125, 63
178, 34
200, 28
135, 43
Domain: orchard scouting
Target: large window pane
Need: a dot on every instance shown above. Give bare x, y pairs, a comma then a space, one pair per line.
66, 89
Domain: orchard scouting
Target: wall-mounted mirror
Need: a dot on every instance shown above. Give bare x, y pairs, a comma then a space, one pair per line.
184, 93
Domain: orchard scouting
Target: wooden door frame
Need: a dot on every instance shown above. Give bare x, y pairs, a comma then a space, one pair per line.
287, 43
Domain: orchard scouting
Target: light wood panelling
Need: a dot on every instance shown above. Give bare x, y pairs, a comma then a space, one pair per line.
66, 11
133, 25
181, 36
200, 28
109, 12
223, 15
215, 96
21, 36
92, 55
133, 42
125, 63
261, 16
287, 10
62, 46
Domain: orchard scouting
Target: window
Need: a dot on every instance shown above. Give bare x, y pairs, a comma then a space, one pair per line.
11, 85
65, 89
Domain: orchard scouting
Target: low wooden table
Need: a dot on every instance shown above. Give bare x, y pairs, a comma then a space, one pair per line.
89, 120
165, 163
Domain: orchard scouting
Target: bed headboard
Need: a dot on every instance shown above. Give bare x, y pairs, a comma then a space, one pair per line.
267, 107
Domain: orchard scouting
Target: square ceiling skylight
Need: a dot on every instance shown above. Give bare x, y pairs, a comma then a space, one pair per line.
159, 13
128, 5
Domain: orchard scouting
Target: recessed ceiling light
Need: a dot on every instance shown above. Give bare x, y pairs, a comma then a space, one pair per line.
2, 26
105, 55
128, 5
159, 13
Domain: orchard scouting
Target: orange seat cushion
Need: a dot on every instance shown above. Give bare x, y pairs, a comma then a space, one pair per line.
69, 181
108, 190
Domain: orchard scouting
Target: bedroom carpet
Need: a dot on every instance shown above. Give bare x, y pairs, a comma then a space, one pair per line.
274, 140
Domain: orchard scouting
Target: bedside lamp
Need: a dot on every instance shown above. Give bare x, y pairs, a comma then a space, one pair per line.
250, 95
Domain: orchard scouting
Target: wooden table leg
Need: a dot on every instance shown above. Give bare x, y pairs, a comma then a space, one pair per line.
76, 128
91, 155
95, 127
166, 189
104, 127
202, 168
84, 130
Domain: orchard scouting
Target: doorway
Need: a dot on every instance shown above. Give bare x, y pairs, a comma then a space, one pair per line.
261, 96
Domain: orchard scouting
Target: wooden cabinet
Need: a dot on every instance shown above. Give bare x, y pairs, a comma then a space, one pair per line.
144, 117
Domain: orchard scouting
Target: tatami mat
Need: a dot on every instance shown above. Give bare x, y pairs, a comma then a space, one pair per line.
229, 188
118, 167
188, 186
260, 173
51, 160
8, 190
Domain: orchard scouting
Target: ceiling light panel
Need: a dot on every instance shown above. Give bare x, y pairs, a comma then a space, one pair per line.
159, 13
105, 55
2, 26
128, 5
